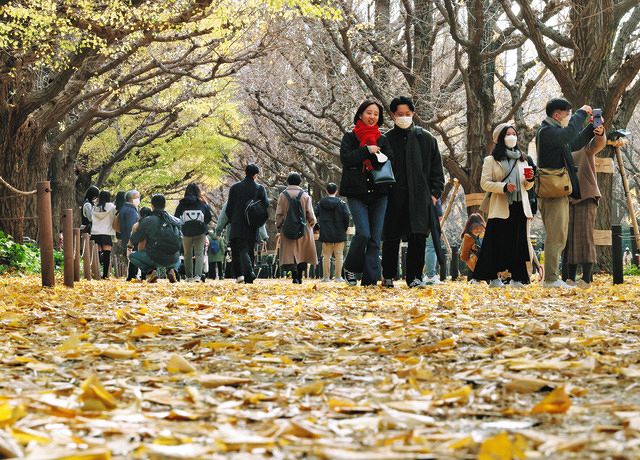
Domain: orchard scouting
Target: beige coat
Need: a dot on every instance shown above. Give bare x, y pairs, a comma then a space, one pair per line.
492, 175
304, 248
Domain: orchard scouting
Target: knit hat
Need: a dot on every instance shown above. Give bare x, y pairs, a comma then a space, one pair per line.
498, 130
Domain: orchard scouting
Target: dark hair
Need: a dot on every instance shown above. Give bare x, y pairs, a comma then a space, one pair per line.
474, 220
558, 103
158, 201
401, 100
251, 170
294, 179
92, 193
500, 149
120, 200
193, 189
103, 199
332, 188
145, 212
364, 106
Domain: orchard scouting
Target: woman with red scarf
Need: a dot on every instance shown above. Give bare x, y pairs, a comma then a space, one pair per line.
362, 150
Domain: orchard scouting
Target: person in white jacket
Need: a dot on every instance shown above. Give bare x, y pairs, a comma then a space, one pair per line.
507, 176
102, 217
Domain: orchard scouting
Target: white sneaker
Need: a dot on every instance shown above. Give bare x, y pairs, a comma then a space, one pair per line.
474, 281
240, 279
339, 280
557, 284
496, 283
417, 283
582, 284
435, 279
325, 280
516, 284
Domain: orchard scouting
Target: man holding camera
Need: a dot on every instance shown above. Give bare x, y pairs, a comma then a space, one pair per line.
559, 134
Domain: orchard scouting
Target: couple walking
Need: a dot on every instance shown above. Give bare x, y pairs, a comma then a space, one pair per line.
381, 211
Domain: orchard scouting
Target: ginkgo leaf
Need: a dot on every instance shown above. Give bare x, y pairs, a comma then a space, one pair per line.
556, 402
177, 363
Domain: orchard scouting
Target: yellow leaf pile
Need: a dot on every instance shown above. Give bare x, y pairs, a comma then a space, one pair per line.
319, 371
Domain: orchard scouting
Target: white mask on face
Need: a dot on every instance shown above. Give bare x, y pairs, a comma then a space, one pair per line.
565, 121
403, 122
510, 141
135, 201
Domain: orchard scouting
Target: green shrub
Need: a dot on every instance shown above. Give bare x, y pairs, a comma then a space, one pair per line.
22, 258
632, 270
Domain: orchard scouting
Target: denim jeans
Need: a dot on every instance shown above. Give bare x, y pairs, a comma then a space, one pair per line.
430, 258
364, 251
142, 260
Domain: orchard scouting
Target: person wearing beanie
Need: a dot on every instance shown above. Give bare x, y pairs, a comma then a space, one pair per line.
581, 247
559, 134
417, 167
505, 246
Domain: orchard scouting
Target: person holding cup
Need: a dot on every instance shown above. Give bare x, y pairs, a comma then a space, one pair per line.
507, 176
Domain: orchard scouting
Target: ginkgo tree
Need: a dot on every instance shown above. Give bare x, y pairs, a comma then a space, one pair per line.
67, 63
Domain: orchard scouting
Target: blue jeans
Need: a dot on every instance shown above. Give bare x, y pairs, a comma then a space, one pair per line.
142, 260
364, 251
430, 258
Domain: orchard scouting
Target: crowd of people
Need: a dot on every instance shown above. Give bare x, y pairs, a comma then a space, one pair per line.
392, 183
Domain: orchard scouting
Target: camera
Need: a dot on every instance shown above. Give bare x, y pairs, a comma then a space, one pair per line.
597, 117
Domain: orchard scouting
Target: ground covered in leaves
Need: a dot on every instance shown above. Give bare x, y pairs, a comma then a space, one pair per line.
274, 370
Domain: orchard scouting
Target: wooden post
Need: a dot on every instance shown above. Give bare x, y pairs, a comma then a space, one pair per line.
454, 264
67, 245
87, 252
616, 254
45, 232
93, 254
76, 254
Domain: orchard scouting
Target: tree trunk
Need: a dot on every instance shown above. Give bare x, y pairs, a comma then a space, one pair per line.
23, 165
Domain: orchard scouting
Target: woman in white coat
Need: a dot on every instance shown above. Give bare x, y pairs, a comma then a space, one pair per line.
507, 176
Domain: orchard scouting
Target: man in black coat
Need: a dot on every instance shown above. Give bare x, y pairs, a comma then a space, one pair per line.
559, 134
242, 237
333, 219
417, 167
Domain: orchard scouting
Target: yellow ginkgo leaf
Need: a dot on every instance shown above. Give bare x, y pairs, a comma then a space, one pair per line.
145, 330
556, 402
177, 364
314, 388
500, 447
93, 392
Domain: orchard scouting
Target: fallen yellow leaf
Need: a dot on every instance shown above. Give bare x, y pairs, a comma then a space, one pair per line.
556, 402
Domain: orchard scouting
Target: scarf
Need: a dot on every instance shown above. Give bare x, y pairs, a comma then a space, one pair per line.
510, 164
367, 135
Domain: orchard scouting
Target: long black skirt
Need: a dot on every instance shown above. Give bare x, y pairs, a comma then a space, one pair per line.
505, 247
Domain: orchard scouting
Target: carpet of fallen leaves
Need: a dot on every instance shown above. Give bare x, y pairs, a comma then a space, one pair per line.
273, 370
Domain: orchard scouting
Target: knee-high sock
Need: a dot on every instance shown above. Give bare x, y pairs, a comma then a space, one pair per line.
106, 261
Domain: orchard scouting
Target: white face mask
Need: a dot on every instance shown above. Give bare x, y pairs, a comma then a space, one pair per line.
510, 141
135, 201
403, 122
565, 121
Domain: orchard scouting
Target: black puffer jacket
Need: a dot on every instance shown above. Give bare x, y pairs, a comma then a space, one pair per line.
333, 219
355, 182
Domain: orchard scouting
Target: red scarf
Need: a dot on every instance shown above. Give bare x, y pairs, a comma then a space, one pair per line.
367, 135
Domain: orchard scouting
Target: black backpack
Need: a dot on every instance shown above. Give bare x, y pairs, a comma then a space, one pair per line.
294, 222
256, 212
167, 239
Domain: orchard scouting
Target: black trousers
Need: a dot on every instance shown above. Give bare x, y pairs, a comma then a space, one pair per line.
415, 257
215, 270
242, 257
